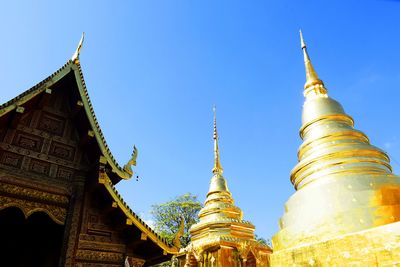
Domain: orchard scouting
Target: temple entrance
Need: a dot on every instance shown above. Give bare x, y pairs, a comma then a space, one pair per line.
251, 260
31, 242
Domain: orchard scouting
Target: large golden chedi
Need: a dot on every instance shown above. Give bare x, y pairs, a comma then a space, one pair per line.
346, 209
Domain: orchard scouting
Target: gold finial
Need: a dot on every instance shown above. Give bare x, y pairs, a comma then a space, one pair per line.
311, 76
75, 57
217, 164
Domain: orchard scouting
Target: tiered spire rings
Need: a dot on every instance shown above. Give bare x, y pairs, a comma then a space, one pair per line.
342, 181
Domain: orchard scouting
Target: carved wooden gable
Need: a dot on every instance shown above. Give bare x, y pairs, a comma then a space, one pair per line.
41, 140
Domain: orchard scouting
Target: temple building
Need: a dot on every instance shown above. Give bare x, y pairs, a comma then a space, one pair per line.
346, 208
58, 202
221, 237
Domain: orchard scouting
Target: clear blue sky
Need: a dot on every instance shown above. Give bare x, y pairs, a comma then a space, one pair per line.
154, 69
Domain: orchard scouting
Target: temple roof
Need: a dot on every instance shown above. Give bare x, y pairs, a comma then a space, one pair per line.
75, 67
116, 171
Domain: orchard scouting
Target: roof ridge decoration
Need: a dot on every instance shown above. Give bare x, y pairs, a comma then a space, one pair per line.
75, 56
131, 162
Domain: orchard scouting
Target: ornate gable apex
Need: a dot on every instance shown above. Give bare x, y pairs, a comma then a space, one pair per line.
74, 67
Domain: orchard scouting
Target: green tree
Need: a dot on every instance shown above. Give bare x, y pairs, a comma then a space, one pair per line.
263, 241
168, 216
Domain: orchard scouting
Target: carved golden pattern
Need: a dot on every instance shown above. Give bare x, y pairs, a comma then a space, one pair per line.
56, 213
111, 247
35, 194
99, 256
74, 221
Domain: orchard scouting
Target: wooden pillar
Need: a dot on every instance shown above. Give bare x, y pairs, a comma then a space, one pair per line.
73, 223
200, 262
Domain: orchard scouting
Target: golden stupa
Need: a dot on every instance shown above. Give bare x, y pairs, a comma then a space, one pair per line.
346, 208
222, 237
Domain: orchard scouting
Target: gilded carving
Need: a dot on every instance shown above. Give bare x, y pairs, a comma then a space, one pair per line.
57, 214
91, 245
37, 195
73, 223
99, 256
131, 162
49, 203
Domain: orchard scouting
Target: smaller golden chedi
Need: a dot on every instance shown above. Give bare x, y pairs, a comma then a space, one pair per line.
222, 237
346, 209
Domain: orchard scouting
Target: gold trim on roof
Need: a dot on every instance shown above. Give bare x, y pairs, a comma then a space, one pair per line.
133, 217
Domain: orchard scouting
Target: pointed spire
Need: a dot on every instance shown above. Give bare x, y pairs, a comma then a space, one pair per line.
217, 164
75, 56
311, 75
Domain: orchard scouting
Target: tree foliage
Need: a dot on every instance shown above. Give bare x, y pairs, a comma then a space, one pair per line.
167, 216
263, 241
